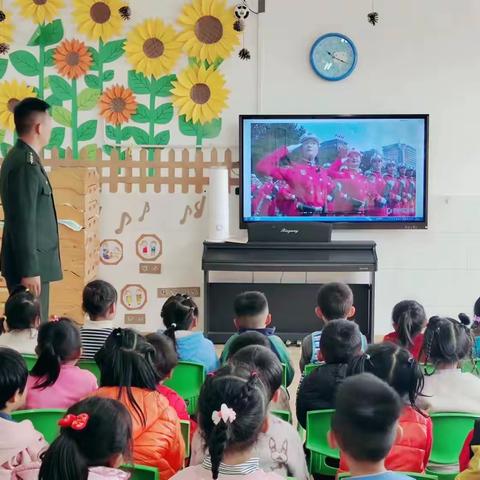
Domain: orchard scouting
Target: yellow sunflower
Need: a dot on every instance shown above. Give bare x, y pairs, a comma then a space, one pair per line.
199, 93
208, 31
98, 19
6, 28
152, 48
40, 11
10, 94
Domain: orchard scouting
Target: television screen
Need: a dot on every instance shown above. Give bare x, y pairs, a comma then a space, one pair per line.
352, 171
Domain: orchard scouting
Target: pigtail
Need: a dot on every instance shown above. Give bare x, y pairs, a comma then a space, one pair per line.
357, 364
48, 365
177, 314
404, 329
216, 446
417, 382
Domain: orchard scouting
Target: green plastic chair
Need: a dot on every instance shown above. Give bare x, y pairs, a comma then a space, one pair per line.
418, 476
187, 380
471, 367
310, 368
283, 414
318, 426
30, 360
45, 421
449, 433
142, 472
91, 366
185, 426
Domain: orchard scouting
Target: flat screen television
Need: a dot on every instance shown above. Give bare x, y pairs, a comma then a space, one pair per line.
354, 171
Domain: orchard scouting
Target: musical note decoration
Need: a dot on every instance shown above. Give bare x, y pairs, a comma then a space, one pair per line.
198, 213
125, 220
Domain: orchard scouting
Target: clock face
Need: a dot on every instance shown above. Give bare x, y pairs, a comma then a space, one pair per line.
333, 56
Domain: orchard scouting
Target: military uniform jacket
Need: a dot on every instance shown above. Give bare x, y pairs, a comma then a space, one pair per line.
30, 244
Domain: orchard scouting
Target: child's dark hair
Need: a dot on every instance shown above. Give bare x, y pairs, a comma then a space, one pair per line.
166, 358
246, 339
246, 396
335, 300
409, 319
366, 414
262, 360
58, 342
394, 365
22, 310
178, 313
108, 432
340, 341
447, 341
250, 304
127, 360
98, 297
13, 375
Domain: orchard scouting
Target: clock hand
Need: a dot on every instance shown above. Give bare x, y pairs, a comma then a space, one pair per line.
339, 59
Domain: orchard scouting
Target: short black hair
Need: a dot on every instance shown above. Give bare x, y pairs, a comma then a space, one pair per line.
13, 375
335, 300
24, 112
97, 298
22, 309
166, 358
250, 304
246, 339
340, 341
366, 413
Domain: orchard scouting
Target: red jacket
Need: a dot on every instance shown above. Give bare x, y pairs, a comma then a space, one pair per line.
466, 453
411, 452
414, 349
159, 442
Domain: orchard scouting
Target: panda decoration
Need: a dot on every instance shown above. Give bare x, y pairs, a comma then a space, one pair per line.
242, 11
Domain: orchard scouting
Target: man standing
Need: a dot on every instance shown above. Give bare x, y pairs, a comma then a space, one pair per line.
30, 247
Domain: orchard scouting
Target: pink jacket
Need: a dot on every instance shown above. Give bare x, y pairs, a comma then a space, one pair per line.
30, 472
20, 447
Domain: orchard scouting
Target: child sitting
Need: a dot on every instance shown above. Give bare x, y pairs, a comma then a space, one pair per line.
180, 317
95, 439
19, 326
334, 302
396, 366
409, 320
252, 314
447, 342
365, 425
128, 374
232, 414
55, 381
20, 443
340, 341
100, 304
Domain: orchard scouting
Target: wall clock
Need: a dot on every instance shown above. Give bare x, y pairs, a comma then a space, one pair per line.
333, 57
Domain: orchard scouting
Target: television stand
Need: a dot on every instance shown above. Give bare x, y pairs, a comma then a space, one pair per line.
291, 304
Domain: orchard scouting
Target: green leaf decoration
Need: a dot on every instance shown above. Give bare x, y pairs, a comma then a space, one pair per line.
60, 87
4, 148
47, 34
142, 115
187, 128
125, 134
108, 149
162, 138
25, 63
95, 59
92, 81
163, 86
87, 99
208, 130
139, 136
87, 130
193, 62
53, 100
3, 66
164, 113
212, 129
62, 116
111, 51
56, 138
89, 151
108, 75
49, 60
138, 83
110, 132
2, 135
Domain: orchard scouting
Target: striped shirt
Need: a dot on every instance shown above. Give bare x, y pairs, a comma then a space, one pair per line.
246, 468
93, 335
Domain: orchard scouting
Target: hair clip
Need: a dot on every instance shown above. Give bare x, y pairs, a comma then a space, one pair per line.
367, 356
225, 414
210, 374
173, 325
254, 374
54, 318
411, 361
75, 422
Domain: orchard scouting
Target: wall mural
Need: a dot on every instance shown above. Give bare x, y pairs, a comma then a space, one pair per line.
78, 74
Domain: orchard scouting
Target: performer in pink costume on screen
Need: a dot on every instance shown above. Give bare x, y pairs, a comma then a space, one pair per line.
307, 181
412, 192
377, 206
285, 200
392, 190
402, 180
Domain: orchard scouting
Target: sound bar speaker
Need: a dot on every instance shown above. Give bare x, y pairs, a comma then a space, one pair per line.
278, 232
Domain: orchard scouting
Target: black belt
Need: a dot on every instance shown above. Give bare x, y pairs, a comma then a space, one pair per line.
309, 209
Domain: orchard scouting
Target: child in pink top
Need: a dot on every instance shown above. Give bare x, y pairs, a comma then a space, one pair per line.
55, 381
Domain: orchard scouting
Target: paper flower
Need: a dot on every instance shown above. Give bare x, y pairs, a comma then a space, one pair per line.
6, 29
98, 19
117, 104
72, 59
200, 94
152, 48
208, 32
40, 11
10, 94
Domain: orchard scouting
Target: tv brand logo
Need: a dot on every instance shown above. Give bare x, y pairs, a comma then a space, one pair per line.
288, 232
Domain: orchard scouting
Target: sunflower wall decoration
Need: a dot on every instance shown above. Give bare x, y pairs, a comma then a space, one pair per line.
6, 35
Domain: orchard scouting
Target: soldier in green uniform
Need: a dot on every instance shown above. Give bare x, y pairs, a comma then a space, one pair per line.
30, 247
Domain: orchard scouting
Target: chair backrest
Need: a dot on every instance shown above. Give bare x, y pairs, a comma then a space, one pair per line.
44, 421
142, 472
283, 414
449, 433
185, 426
310, 368
91, 366
418, 476
318, 425
471, 367
284, 375
30, 360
